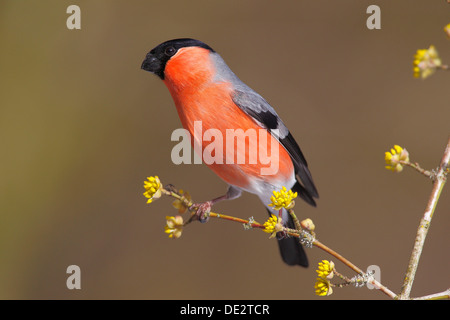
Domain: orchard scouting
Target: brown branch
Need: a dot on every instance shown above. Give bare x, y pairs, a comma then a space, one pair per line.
436, 296
373, 282
424, 225
417, 167
300, 233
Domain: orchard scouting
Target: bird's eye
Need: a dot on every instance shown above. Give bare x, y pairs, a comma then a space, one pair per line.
170, 51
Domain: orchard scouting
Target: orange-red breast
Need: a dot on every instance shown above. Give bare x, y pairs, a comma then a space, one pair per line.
205, 89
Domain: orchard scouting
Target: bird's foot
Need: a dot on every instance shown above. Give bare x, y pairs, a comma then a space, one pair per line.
282, 235
202, 210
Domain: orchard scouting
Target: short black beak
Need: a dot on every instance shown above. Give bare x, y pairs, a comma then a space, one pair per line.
151, 63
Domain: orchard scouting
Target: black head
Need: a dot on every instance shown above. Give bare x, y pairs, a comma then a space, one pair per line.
156, 59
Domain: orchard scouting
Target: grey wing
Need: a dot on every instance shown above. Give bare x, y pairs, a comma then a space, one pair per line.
261, 111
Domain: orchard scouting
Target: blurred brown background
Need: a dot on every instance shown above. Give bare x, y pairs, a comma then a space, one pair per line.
81, 127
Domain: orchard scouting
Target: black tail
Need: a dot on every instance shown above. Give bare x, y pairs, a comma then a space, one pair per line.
305, 194
291, 250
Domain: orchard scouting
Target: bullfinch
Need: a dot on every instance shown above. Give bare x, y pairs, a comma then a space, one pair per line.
206, 91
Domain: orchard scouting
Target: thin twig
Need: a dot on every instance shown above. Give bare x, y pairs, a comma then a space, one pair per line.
417, 167
373, 282
330, 251
253, 224
424, 225
290, 232
436, 296
295, 219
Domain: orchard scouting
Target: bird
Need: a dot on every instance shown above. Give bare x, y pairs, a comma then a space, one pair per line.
205, 89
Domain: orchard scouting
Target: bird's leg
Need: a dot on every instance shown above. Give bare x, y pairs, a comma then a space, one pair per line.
282, 234
204, 208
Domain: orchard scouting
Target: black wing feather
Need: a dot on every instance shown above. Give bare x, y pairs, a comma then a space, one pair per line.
260, 110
